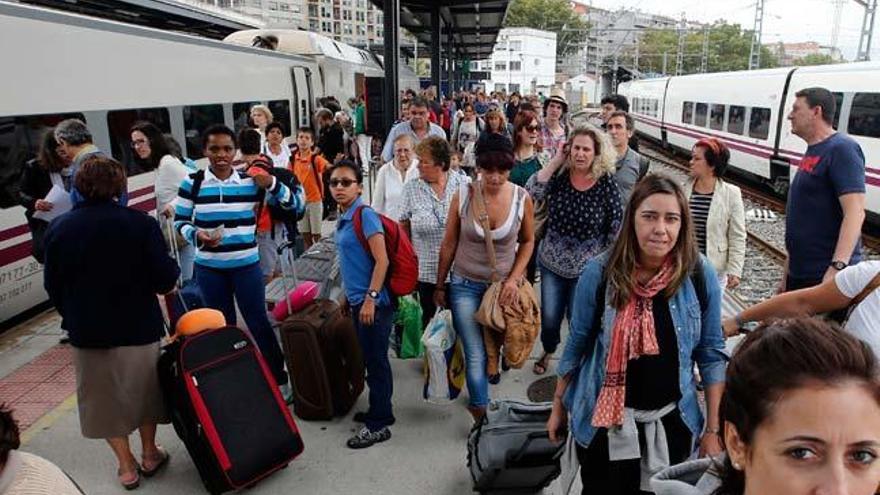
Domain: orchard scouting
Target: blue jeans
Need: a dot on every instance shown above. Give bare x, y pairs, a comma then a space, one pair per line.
374, 345
464, 299
223, 288
557, 300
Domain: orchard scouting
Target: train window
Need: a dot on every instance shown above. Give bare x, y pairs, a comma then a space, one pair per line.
635, 105
864, 115
716, 117
655, 107
687, 112
119, 124
281, 112
702, 110
241, 114
196, 119
759, 123
838, 98
20, 139
736, 120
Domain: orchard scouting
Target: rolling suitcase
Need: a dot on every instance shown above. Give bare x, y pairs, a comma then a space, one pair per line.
323, 357
226, 407
510, 450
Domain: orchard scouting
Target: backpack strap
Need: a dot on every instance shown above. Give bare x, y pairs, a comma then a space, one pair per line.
357, 219
871, 287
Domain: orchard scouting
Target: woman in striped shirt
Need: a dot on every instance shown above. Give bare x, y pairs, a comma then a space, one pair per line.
717, 210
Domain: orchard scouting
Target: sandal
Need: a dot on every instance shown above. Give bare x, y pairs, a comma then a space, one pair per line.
541, 364
129, 480
158, 463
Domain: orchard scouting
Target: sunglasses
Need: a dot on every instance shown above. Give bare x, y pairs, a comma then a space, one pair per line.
532, 128
342, 182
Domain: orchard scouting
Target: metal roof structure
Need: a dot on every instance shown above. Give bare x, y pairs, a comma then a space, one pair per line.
474, 23
168, 15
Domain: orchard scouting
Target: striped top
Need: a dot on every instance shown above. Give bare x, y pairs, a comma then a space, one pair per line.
700, 204
230, 204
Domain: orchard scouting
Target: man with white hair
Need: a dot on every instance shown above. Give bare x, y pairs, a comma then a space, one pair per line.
75, 140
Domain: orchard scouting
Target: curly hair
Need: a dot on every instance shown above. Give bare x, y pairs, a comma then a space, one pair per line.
437, 148
100, 178
605, 160
9, 434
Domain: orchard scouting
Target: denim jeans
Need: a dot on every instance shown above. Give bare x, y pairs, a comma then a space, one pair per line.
557, 299
464, 299
187, 256
374, 345
222, 289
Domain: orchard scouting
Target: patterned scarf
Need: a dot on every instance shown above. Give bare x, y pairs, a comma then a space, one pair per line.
633, 336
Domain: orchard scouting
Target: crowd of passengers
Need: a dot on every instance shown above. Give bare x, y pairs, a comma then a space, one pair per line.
635, 262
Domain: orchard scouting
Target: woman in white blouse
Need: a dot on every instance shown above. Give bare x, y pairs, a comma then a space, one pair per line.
392, 176
153, 153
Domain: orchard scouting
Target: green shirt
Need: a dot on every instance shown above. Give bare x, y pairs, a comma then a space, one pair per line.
522, 170
359, 125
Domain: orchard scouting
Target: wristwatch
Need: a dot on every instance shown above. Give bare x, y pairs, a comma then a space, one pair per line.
372, 294
839, 265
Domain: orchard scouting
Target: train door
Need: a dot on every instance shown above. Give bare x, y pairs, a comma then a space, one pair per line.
302, 96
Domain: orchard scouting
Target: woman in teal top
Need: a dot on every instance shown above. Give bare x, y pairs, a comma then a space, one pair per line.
527, 147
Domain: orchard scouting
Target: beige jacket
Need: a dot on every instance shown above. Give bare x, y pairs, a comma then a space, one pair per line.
725, 228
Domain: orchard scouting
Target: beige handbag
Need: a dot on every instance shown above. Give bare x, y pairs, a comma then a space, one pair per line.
489, 314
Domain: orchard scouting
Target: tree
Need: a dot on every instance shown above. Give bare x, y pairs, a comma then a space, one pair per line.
729, 49
814, 59
549, 15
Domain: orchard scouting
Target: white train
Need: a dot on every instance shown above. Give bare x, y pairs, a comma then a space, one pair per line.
748, 111
59, 65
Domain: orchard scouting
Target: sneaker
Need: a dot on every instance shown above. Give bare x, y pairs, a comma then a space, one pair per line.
286, 392
366, 438
361, 417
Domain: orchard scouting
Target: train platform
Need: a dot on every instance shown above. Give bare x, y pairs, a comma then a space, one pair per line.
426, 454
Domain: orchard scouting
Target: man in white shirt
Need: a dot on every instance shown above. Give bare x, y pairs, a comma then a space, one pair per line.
393, 175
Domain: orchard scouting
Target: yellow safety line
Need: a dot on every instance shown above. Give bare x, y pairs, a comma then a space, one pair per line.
48, 419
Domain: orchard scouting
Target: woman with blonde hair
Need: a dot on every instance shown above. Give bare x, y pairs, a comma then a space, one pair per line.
496, 122
583, 216
647, 312
261, 117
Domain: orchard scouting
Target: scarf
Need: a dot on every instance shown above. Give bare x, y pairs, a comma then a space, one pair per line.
633, 336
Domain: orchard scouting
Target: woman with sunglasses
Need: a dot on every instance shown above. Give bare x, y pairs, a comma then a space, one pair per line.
366, 298
584, 214
526, 147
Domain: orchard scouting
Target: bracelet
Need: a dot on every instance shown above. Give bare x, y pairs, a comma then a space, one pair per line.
714, 431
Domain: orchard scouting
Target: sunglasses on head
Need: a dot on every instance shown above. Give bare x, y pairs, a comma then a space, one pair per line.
342, 182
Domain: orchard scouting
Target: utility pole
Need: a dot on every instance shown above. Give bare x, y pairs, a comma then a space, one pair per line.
835, 23
614, 76
704, 62
665, 59
864, 53
636, 59
755, 55
679, 56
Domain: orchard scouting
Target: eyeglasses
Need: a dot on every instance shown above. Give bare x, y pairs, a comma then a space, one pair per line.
403, 150
342, 182
532, 128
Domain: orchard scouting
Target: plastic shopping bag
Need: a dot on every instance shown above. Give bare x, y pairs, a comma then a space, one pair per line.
444, 360
408, 328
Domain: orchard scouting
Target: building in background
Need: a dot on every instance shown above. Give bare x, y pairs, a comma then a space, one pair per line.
283, 14
789, 53
611, 33
523, 60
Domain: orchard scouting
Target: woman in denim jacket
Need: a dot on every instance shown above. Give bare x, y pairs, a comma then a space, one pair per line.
639, 326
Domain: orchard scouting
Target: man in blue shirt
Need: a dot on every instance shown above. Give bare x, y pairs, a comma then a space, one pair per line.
418, 126
826, 200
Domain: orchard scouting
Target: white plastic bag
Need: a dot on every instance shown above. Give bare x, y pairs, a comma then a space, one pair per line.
444, 367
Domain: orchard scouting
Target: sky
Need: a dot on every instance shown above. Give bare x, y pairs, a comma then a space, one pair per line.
784, 20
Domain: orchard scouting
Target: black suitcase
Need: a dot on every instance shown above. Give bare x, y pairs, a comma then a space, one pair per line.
226, 407
510, 450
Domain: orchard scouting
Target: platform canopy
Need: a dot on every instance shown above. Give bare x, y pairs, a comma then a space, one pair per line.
474, 24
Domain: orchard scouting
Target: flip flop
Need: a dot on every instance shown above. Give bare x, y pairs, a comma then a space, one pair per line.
541, 365
164, 457
126, 481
